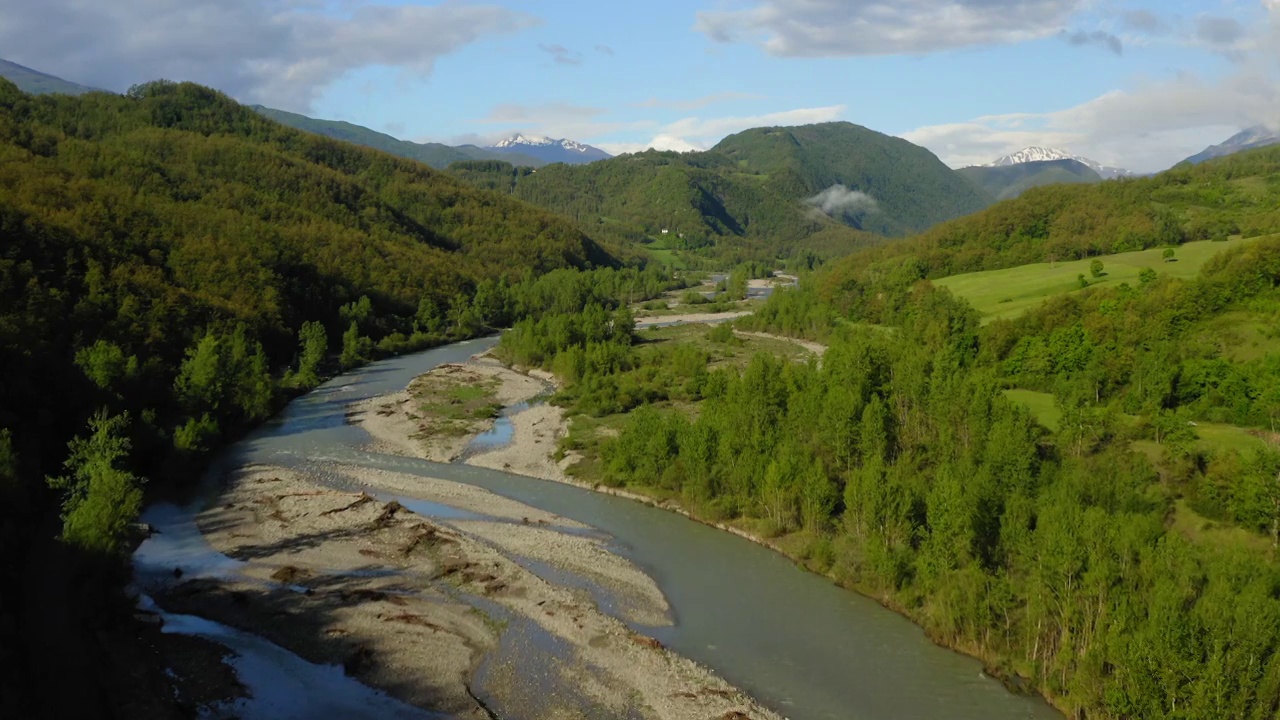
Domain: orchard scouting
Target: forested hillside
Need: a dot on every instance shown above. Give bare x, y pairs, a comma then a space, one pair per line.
827, 188
437, 155
1236, 195
1104, 546
1085, 497
1004, 182
172, 266
702, 200
907, 188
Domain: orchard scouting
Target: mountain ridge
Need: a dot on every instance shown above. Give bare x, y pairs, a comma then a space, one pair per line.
1250, 138
35, 82
1009, 181
1036, 153
437, 155
549, 150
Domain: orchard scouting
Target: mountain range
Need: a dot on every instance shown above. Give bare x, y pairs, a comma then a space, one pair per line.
549, 150
1004, 182
827, 188
1042, 154
437, 155
1254, 137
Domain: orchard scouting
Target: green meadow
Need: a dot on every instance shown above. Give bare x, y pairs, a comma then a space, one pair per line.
1010, 292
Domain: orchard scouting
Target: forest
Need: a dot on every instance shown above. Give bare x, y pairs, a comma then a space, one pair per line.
1110, 558
174, 267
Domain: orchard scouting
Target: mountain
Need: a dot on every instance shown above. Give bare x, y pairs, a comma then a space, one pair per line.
699, 202
1254, 137
870, 180
766, 192
38, 83
1211, 201
548, 150
436, 155
1041, 154
1010, 181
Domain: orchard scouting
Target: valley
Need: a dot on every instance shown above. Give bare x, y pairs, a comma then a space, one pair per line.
302, 420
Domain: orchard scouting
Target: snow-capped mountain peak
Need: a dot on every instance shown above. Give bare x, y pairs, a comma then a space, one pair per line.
1043, 154
1033, 154
550, 149
522, 139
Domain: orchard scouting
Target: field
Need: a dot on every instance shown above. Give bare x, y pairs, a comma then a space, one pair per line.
1010, 292
1213, 436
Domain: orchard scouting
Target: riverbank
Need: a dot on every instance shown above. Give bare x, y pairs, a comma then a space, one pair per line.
793, 547
443, 614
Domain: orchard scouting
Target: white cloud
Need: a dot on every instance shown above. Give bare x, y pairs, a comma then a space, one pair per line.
1145, 130
1152, 124
278, 52
838, 200
695, 133
817, 28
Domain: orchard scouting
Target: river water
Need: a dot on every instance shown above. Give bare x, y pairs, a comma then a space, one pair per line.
790, 638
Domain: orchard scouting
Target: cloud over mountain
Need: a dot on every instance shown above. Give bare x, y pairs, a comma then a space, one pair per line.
282, 51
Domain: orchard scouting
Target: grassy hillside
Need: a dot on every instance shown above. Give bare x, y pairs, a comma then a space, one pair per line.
1237, 195
1010, 292
436, 155
38, 83
1010, 181
910, 189
706, 204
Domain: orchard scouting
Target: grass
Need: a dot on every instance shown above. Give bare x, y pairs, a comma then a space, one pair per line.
450, 404
1042, 406
670, 258
1010, 292
1199, 529
1241, 336
1218, 437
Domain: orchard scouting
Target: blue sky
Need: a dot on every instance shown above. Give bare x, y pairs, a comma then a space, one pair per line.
1134, 83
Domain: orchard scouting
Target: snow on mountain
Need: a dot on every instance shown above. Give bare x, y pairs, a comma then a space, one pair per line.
551, 150
520, 139
1041, 154
1254, 137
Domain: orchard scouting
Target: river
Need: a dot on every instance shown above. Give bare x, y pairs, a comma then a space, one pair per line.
790, 638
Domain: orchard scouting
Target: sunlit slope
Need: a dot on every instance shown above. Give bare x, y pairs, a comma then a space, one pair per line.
1012, 291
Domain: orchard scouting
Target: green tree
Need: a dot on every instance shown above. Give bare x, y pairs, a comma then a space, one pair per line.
1168, 254
102, 498
1147, 275
351, 347
1095, 268
200, 379
313, 345
106, 365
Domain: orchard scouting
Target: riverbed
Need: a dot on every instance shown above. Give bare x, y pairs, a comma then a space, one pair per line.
792, 640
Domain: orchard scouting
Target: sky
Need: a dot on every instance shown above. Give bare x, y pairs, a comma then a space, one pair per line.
1138, 84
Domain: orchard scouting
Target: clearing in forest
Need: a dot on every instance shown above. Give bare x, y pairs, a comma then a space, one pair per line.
1010, 292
